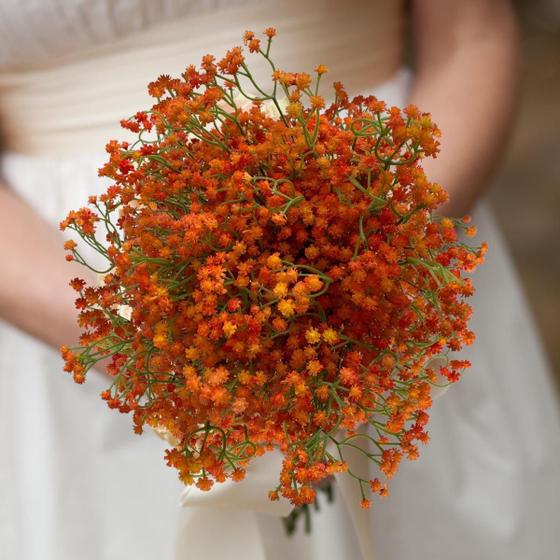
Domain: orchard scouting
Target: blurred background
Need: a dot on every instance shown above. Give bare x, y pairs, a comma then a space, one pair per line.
526, 193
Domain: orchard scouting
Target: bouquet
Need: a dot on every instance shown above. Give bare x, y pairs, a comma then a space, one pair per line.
276, 277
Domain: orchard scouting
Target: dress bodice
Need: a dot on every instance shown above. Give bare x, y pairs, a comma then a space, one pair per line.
70, 70
37, 33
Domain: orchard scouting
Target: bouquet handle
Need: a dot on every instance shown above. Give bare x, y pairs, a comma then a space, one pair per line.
223, 523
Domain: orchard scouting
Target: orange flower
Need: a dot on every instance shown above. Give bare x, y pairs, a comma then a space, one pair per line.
287, 277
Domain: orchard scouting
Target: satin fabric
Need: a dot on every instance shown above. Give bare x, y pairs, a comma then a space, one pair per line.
71, 104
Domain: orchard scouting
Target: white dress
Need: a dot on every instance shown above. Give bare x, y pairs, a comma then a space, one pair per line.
75, 483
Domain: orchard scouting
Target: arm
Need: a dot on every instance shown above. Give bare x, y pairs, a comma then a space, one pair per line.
467, 74
34, 291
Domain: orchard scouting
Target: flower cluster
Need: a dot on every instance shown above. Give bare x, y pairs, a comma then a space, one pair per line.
276, 276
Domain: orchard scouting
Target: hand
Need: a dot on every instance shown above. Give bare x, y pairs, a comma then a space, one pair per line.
34, 291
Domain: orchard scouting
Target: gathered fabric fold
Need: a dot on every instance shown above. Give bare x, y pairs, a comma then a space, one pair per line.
223, 523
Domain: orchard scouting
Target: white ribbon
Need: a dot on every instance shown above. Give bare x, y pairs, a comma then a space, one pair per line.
223, 523
349, 489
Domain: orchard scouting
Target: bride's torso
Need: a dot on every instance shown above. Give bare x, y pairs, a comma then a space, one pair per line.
70, 70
